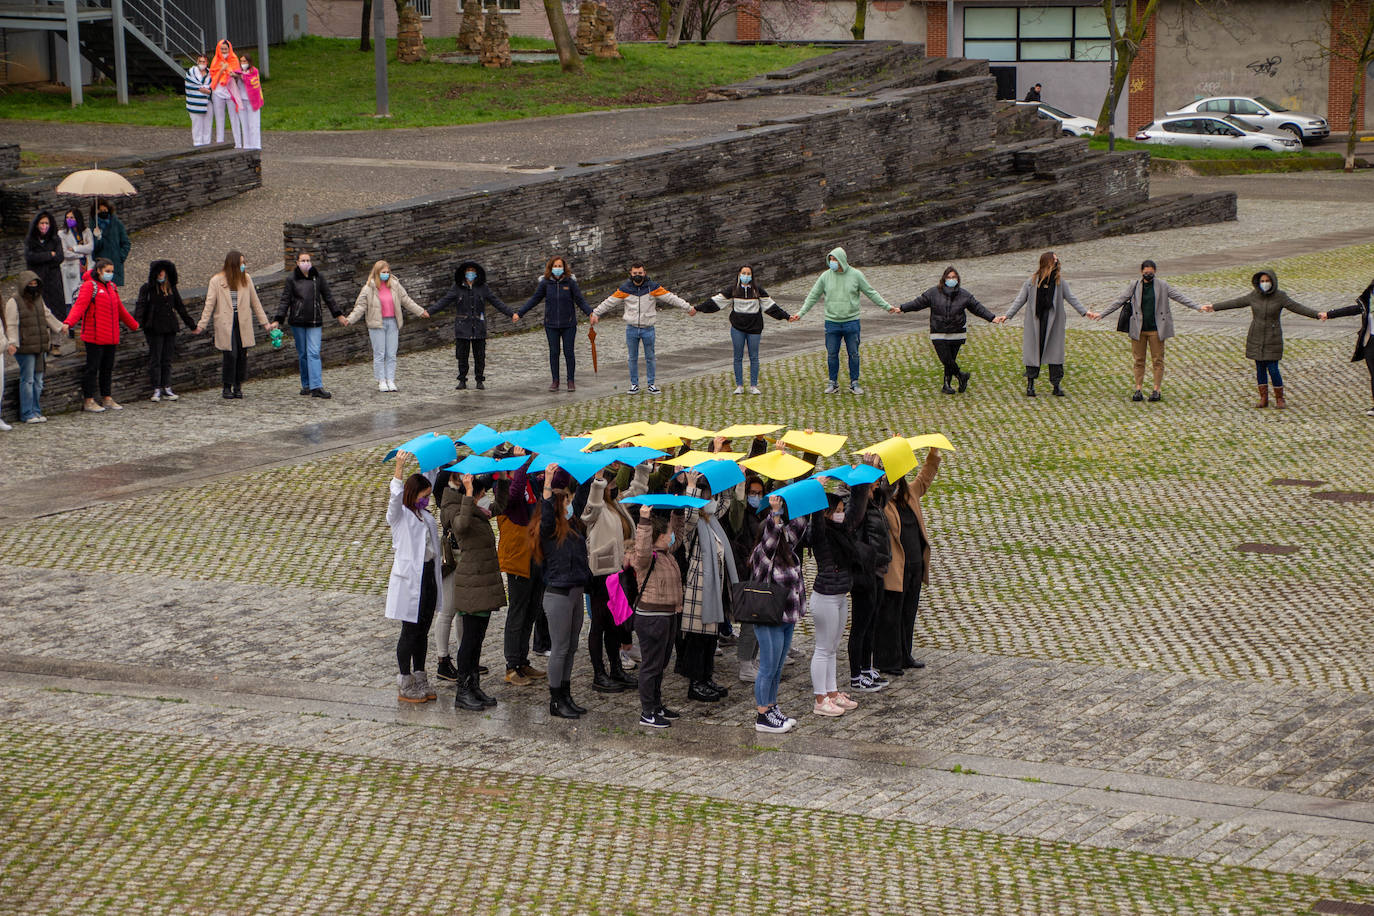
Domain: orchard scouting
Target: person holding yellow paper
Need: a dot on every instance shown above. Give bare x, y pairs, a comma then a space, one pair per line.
840, 286
639, 299
948, 303
1042, 336
908, 570
748, 303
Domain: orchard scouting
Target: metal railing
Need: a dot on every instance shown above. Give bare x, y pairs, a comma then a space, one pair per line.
171, 29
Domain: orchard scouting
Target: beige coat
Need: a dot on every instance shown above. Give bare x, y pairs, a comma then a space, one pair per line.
370, 304
219, 305
892, 581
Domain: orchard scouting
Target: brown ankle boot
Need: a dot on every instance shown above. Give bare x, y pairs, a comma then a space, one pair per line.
1264, 396
1278, 397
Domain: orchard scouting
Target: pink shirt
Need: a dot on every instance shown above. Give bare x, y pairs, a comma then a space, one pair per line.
384, 297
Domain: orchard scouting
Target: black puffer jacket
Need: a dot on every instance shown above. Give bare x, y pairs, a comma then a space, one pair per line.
565, 562
838, 547
155, 311
948, 307
874, 535
43, 256
470, 303
301, 296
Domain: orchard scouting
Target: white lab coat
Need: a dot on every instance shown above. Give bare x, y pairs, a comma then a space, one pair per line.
408, 535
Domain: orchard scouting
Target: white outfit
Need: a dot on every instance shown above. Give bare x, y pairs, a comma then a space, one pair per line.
75, 257
222, 100
413, 538
828, 616
202, 126
252, 125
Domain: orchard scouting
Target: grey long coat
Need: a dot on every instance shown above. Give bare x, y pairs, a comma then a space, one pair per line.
1264, 341
1030, 334
1164, 316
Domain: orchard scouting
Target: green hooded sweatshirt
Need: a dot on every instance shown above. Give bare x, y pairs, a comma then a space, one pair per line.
841, 289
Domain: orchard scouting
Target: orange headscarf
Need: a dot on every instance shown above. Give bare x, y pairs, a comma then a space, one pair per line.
225, 63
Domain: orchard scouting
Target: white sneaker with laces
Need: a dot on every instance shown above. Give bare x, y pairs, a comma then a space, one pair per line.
383, 386
391, 385
824, 707
739, 389
633, 389
855, 388
654, 389
38, 419
5, 427
157, 395
754, 389
170, 395
832, 388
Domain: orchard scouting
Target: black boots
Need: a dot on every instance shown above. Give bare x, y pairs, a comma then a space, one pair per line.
629, 681
946, 387
605, 683
468, 696
1030, 387
560, 704
963, 381
567, 695
1057, 391
702, 693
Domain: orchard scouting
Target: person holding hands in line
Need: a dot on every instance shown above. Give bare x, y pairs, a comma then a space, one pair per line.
562, 299
1364, 335
639, 298
748, 303
1149, 320
948, 303
1264, 339
1043, 332
231, 302
840, 286
383, 301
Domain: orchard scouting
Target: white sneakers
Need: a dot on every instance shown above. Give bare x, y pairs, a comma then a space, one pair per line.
5, 427
382, 386
754, 389
739, 389
387, 384
170, 395
157, 395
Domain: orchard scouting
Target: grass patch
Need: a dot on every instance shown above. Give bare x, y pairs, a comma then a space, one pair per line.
433, 93
1160, 151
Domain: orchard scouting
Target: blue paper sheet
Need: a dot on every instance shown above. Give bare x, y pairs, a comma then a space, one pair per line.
803, 497
664, 501
534, 438
854, 476
481, 464
431, 450
720, 474
481, 438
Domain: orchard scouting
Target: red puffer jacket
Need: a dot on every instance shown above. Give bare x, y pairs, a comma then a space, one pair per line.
98, 304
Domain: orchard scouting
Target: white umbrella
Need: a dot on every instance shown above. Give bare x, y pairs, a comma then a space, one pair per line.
96, 182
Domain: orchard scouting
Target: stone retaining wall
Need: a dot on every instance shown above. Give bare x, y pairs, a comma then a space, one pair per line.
9, 159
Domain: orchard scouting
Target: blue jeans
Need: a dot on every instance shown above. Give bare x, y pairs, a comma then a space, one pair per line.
1269, 368
848, 331
773, 645
30, 385
740, 340
566, 340
385, 341
633, 338
308, 356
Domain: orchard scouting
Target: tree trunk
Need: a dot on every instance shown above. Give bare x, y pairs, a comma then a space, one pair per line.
562, 38
1362, 64
860, 19
665, 15
1125, 57
365, 41
675, 27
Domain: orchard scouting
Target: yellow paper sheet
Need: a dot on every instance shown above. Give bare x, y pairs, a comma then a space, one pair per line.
778, 465
659, 440
824, 444
930, 440
688, 459
680, 430
741, 430
608, 435
895, 454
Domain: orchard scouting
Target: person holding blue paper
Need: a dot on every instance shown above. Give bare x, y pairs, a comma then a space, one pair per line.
563, 545
470, 296
475, 588
516, 552
840, 286
658, 606
610, 540
412, 591
834, 542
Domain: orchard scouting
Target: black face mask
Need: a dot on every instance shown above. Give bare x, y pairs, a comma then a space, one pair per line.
637, 278
1148, 278
31, 292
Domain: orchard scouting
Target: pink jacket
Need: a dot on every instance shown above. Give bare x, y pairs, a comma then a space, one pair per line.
252, 85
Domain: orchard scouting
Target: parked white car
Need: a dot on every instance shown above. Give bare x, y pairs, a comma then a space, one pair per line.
1264, 112
1069, 125
1208, 132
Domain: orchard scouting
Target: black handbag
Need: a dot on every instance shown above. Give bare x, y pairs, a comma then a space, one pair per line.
1123, 323
759, 602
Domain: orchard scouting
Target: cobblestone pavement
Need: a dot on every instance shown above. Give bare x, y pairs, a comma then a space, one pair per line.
1121, 713
526, 843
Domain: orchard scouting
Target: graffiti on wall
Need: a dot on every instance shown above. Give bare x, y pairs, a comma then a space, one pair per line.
1266, 66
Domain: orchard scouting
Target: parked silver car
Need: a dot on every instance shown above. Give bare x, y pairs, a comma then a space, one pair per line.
1264, 112
1209, 132
1069, 125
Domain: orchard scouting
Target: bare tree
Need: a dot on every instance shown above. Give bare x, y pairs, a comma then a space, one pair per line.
568, 58
675, 25
1351, 30
1127, 37
861, 19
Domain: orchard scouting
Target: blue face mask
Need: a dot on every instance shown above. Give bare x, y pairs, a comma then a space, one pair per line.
672, 539
746, 279
755, 502
951, 283
471, 276
557, 271
106, 277
384, 276
834, 265
567, 511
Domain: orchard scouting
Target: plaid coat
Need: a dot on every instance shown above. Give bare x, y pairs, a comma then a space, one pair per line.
761, 561
692, 589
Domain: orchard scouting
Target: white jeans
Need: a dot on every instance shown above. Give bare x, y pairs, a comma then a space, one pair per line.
223, 105
828, 616
201, 126
443, 617
385, 340
252, 127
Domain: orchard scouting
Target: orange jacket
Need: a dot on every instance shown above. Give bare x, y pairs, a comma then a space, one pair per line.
224, 64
